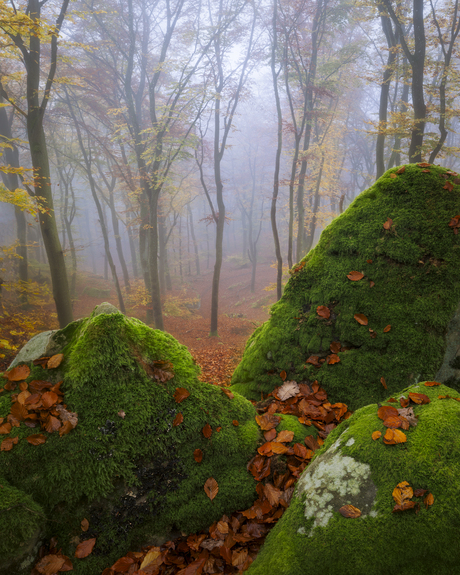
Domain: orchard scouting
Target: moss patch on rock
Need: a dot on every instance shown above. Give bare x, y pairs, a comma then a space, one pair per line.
126, 467
414, 267
378, 542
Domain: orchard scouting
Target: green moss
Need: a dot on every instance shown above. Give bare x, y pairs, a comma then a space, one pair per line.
134, 475
416, 270
5, 405
406, 543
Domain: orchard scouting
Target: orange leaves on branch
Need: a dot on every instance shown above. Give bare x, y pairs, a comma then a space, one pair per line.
267, 421
198, 455
85, 548
55, 361
18, 373
355, 276
394, 436
178, 419
211, 488
361, 318
207, 431
350, 511
180, 394
323, 311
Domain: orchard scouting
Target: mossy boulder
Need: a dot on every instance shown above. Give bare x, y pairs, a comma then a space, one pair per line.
313, 538
397, 234
128, 466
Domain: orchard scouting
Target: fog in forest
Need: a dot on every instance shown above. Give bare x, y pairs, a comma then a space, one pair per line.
148, 143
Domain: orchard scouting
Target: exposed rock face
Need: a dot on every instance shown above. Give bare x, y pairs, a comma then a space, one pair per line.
313, 538
128, 466
397, 323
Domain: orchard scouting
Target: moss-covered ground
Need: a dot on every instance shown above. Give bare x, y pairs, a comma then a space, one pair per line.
411, 282
419, 541
125, 467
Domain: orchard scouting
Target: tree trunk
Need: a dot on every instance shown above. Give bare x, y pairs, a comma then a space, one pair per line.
195, 244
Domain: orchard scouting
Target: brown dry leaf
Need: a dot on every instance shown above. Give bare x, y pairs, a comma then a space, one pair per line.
387, 328
283, 375
122, 565
333, 358
272, 494
228, 393
335, 346
85, 548
323, 311
361, 318
18, 373
49, 398
383, 382
402, 492
287, 390
314, 360
235, 423
37, 439
385, 411
355, 276
278, 448
350, 511
67, 566
5, 428
151, 556
84, 524
394, 436
178, 419
431, 383
180, 394
239, 556
423, 165
448, 186
52, 424
419, 398
7, 444
23, 385
267, 421
387, 225
393, 421
420, 492
65, 429
207, 431
393, 176
211, 488
266, 449
401, 170
67, 416
285, 436
270, 435
403, 506
376, 435
408, 414
55, 361
198, 455
301, 451
371, 284
50, 564
23, 396
429, 500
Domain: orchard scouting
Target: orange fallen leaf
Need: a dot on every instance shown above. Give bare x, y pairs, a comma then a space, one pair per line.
429, 500
376, 435
283, 375
402, 492
383, 382
52, 424
387, 328
403, 506
207, 431
5, 428
50, 564
228, 393
401, 170
385, 411
350, 511
180, 394
333, 358
419, 398
49, 398
211, 488
37, 439
393, 421
314, 360
66, 428
153, 555
198, 455
7, 444
178, 419
85, 548
278, 448
18, 373
423, 165
387, 225
431, 383
371, 284
122, 565
55, 361
267, 421
235, 423
448, 186
393, 176
355, 276
361, 318
323, 311
285, 436
335, 346
394, 436
84, 524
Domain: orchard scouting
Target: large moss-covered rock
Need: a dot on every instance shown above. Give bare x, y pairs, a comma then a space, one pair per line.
128, 466
313, 538
411, 282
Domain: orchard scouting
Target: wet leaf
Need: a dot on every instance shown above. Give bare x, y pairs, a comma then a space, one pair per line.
198, 455
18, 373
333, 358
180, 394
267, 421
55, 361
429, 500
385, 411
235, 423
431, 383
178, 419
207, 431
419, 398
84, 523
350, 511
85, 548
355, 276
211, 488
50, 564
361, 318
387, 328
285, 436
323, 311
37, 439
394, 436
376, 435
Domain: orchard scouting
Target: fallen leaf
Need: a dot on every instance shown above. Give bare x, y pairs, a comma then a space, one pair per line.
55, 361
7, 444
420, 492
408, 414
84, 524
376, 435
66, 428
429, 500
385, 411
151, 556
211, 488
121, 414
383, 382
335, 346
387, 225
267, 421
361, 318
239, 556
272, 494
285, 436
283, 375
37, 439
270, 435
355, 276
402, 492
228, 393
18, 373
424, 165
235, 423
387, 328
85, 548
198, 455
448, 186
50, 564
5, 428
401, 170
419, 398
394, 436
123, 564
323, 311
392, 421
49, 398
180, 394
333, 358
371, 284
278, 448
431, 383
393, 176
207, 431
350, 511
52, 424
403, 506
287, 390
178, 419
314, 360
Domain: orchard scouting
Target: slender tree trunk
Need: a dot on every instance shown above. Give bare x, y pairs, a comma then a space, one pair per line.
195, 244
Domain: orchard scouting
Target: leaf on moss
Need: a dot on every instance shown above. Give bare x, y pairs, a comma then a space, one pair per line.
314, 360
49, 398
393, 176
323, 311
178, 419
393, 421
283, 375
228, 393
207, 431
350, 511
402, 492
424, 165
5, 428
162, 370
211, 488
18, 373
267, 421
448, 186
387, 225
403, 506
122, 565
85, 548
376, 435
55, 361
333, 358
408, 414
37, 439
50, 564
371, 284
387, 328
198, 455
285, 436
7, 444
420, 492
383, 382
361, 318
394, 436
84, 524
180, 394
455, 224
52, 424
272, 494
429, 500
235, 423
278, 448
355, 276
335, 346
154, 554
419, 398
401, 170
385, 411
431, 383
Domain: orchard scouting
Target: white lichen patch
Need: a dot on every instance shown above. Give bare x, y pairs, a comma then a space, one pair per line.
334, 480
